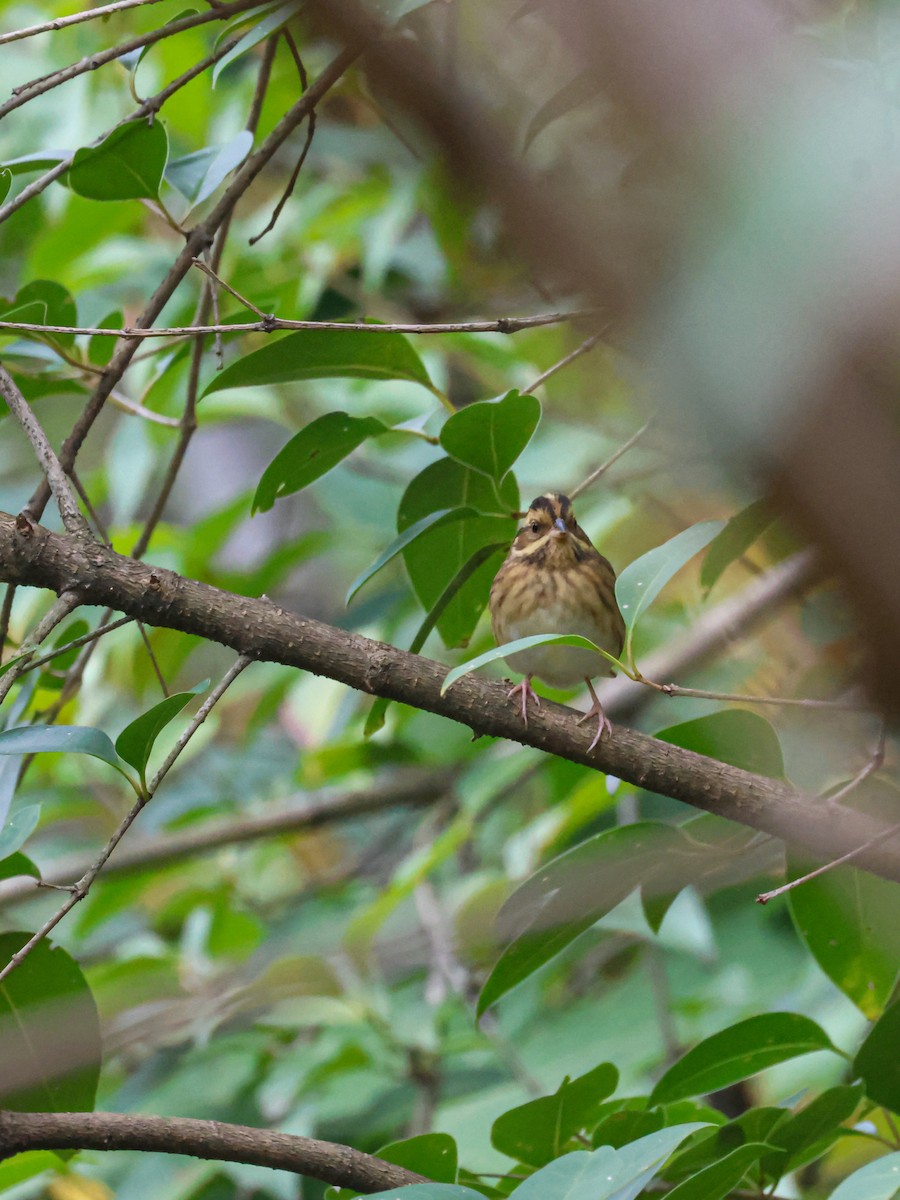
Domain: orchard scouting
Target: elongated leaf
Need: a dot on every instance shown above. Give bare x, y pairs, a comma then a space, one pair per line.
720, 1178
433, 1155
317, 448
375, 719
848, 920
526, 643
877, 1062
198, 175
810, 1132
735, 736
49, 1032
606, 1174
435, 559
642, 581
42, 302
739, 1052
270, 24
565, 897
738, 536
428, 1191
444, 516
127, 165
19, 828
490, 436
41, 160
878, 1180
537, 1132
355, 353
59, 739
136, 740
18, 864
5, 182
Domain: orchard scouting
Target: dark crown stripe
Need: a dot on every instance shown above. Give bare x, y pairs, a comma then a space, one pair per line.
545, 503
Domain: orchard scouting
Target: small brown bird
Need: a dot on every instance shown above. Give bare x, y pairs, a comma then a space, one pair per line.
554, 581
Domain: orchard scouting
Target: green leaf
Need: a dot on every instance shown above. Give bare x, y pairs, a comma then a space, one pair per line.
642, 581
738, 536
877, 1061
525, 643
490, 436
735, 736
312, 452
355, 353
807, 1134
5, 182
605, 1174
100, 348
878, 1180
445, 516
848, 921
18, 864
59, 739
135, 743
41, 160
427, 1191
626, 1125
375, 718
739, 1052
19, 828
42, 302
720, 1178
127, 165
433, 1155
261, 30
198, 175
436, 558
49, 1032
537, 1132
565, 897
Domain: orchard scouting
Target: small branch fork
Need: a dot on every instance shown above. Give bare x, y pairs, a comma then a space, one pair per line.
79, 890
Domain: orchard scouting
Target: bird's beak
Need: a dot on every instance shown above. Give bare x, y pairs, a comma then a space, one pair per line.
559, 528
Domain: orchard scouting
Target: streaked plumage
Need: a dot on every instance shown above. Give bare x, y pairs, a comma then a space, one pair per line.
554, 581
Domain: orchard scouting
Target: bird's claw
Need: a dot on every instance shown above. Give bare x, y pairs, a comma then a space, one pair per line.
604, 725
528, 692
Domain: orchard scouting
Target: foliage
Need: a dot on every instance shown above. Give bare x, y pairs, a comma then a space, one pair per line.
520, 976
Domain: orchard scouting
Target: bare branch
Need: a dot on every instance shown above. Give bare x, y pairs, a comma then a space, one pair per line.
89, 14
765, 897
587, 345
259, 629
329, 1162
613, 458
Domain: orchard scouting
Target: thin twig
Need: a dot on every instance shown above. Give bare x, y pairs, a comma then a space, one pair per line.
875, 763
84, 640
79, 890
586, 345
269, 324
57, 612
765, 897
50, 464
673, 689
89, 14
207, 270
9, 595
613, 458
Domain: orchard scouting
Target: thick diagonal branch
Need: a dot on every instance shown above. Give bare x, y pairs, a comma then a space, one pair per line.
31, 555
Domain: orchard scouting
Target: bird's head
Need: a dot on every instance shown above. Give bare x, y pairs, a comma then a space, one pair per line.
550, 534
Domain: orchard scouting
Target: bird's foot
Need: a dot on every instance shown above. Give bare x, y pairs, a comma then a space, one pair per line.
528, 693
604, 725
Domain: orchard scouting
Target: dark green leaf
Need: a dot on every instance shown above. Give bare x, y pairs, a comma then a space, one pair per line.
739, 1052
735, 736
537, 1132
136, 740
738, 536
5, 183
720, 1178
877, 1062
49, 1032
59, 739
642, 581
433, 1155
355, 352
627, 1125
270, 24
756, 1126
878, 1180
317, 448
491, 435
74, 630
435, 559
428, 1191
17, 864
444, 516
100, 348
19, 828
127, 165
42, 302
565, 897
808, 1133
848, 920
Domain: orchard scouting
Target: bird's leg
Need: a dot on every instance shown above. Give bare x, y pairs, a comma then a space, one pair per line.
596, 710
528, 692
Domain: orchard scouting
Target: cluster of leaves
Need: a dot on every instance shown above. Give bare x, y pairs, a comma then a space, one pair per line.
284, 980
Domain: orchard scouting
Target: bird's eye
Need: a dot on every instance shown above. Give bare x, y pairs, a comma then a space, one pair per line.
535, 527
